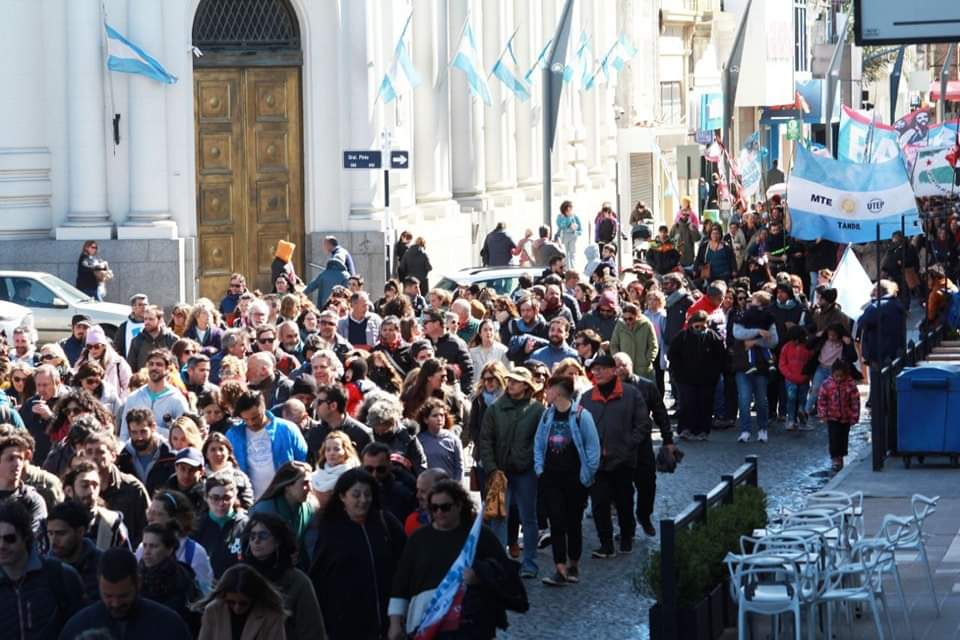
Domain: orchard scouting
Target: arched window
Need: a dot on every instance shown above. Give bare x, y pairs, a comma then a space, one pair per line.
246, 32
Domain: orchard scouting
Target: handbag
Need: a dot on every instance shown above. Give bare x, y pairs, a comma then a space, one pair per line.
705, 271
474, 479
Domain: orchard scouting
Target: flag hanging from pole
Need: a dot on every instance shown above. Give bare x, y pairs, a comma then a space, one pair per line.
853, 285
505, 69
123, 56
443, 610
467, 58
401, 76
540, 62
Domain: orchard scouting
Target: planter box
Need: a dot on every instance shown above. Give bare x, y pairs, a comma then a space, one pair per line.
716, 602
693, 623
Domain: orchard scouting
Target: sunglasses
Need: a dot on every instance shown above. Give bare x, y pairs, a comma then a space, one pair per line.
224, 498
266, 340
260, 536
91, 380
489, 379
19, 378
73, 411
376, 470
48, 356
329, 323
441, 506
9, 538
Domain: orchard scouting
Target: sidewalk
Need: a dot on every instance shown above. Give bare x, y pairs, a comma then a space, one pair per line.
889, 491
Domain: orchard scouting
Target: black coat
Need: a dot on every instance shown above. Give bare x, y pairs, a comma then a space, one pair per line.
352, 571
697, 358
416, 263
147, 620
882, 330
222, 544
360, 436
454, 350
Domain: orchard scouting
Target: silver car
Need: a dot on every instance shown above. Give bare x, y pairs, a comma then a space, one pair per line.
13, 316
503, 280
54, 302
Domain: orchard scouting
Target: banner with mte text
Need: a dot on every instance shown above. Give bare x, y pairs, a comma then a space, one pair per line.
846, 201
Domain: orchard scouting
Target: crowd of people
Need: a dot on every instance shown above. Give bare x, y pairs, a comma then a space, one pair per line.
299, 463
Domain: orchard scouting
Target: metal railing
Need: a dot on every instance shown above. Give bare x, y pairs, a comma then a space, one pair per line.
696, 512
883, 396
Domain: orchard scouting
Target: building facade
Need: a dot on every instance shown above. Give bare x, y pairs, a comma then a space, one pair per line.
183, 184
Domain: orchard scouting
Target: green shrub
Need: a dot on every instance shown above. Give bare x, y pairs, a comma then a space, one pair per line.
700, 550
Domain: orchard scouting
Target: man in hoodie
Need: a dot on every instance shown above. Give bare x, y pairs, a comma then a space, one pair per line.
335, 274
146, 456
165, 401
132, 326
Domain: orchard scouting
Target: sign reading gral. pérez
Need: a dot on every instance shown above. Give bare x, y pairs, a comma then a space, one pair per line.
845, 201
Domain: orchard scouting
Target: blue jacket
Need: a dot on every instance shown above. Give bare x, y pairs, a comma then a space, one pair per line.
286, 442
551, 355
335, 274
585, 439
38, 605
883, 330
147, 620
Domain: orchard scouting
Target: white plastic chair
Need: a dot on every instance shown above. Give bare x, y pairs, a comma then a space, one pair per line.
765, 584
852, 504
858, 581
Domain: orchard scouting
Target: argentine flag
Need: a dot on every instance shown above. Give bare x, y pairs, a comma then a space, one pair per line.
467, 59
580, 64
540, 63
402, 75
505, 69
125, 57
845, 201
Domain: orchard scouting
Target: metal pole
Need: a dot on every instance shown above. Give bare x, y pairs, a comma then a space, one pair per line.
833, 77
668, 578
547, 149
895, 83
730, 79
944, 75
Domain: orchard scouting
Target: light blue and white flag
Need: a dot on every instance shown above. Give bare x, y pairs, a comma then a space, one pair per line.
467, 58
541, 62
505, 68
618, 55
124, 56
581, 63
846, 201
401, 76
855, 134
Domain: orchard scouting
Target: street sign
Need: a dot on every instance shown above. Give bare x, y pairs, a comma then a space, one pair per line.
688, 161
362, 159
399, 159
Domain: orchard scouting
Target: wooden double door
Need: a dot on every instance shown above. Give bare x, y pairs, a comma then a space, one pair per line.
249, 148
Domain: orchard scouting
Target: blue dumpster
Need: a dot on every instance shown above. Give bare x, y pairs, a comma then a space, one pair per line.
928, 409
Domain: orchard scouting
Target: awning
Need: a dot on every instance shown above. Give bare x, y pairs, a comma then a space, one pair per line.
953, 90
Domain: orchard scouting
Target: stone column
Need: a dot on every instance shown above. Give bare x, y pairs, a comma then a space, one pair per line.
468, 117
499, 125
87, 216
363, 69
431, 100
149, 177
529, 114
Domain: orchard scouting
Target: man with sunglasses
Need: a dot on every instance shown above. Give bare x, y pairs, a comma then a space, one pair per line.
37, 595
154, 336
331, 410
396, 495
449, 347
267, 341
159, 396
236, 287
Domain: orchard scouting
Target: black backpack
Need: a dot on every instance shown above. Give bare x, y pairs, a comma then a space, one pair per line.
607, 230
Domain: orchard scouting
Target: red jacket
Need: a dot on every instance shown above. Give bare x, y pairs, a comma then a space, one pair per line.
839, 401
793, 358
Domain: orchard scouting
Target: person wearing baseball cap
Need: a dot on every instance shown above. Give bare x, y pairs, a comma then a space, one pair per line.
73, 344
506, 449
187, 478
623, 424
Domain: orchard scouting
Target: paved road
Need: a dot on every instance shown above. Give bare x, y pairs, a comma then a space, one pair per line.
605, 603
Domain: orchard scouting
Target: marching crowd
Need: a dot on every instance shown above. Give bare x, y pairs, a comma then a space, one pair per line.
298, 463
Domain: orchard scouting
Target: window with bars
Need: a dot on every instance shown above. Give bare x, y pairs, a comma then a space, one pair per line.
671, 102
800, 62
245, 25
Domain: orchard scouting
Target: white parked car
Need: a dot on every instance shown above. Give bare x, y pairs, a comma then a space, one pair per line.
13, 316
55, 302
503, 280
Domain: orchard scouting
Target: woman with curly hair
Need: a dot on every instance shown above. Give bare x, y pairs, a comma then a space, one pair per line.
71, 406
441, 447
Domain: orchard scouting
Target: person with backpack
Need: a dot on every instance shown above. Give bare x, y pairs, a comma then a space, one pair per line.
882, 329
37, 595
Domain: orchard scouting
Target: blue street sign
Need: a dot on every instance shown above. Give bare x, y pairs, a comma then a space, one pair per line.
362, 159
399, 159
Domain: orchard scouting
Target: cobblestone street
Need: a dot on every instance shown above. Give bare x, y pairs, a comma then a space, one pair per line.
605, 604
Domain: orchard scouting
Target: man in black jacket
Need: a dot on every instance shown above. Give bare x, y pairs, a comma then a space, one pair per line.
121, 611
120, 491
67, 529
449, 347
645, 476
623, 423
146, 456
331, 408
396, 496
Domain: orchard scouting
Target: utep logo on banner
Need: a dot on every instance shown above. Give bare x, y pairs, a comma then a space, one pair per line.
854, 133
845, 201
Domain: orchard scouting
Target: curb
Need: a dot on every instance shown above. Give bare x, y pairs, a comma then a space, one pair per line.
841, 475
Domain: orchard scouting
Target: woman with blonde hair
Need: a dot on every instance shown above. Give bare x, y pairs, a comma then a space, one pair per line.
178, 318
232, 368
202, 327
54, 355
571, 368
184, 433
339, 456
289, 308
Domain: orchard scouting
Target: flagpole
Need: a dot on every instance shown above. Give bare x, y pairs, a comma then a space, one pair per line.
505, 48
